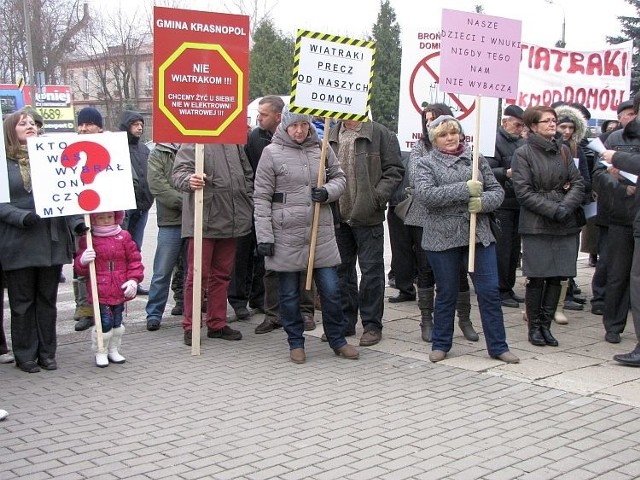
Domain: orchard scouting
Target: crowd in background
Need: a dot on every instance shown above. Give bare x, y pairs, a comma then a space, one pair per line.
526, 206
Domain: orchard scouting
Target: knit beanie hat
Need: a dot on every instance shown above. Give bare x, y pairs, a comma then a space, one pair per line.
289, 117
90, 115
442, 118
118, 215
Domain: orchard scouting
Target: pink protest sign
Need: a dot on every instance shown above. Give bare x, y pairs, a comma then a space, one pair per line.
479, 54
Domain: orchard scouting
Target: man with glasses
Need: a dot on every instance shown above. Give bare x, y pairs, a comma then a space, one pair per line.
508, 139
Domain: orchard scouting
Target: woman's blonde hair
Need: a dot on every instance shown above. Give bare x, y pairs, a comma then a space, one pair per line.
443, 127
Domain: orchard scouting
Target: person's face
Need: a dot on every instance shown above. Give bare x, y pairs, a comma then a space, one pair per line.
268, 119
428, 118
546, 126
566, 129
448, 141
104, 219
626, 116
136, 128
351, 124
84, 128
298, 131
611, 126
26, 128
513, 125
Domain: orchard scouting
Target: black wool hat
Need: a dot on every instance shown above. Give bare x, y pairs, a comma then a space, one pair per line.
624, 106
513, 111
90, 115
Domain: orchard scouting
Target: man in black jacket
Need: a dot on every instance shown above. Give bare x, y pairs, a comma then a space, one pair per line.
136, 219
508, 139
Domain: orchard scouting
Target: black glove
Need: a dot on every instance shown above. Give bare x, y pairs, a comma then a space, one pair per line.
81, 229
562, 214
319, 195
30, 219
266, 249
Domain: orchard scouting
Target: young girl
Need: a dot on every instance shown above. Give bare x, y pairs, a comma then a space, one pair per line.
119, 270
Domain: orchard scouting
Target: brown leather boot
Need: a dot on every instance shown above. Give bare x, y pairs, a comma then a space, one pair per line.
347, 351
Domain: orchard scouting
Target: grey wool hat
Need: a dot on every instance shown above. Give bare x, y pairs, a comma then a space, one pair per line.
438, 121
290, 117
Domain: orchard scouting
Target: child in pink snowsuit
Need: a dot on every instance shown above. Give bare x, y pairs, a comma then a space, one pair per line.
119, 270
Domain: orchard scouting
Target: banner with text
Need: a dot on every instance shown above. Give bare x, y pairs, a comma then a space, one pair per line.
479, 54
332, 76
600, 80
420, 85
201, 65
76, 174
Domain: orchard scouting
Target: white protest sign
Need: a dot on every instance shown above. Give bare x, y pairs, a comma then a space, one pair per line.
77, 174
4, 174
600, 80
420, 85
332, 76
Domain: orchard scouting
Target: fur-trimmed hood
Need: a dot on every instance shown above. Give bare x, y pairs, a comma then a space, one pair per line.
576, 117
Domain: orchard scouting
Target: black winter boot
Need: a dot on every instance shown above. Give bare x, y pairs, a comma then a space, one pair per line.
463, 306
425, 304
533, 304
549, 305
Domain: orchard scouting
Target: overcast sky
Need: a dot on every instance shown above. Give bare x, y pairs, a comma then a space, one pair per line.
587, 22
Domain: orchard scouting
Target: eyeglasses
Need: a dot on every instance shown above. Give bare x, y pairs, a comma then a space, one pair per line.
548, 120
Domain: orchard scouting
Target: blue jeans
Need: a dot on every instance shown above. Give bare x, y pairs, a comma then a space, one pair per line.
326, 280
446, 268
366, 245
111, 316
170, 246
136, 221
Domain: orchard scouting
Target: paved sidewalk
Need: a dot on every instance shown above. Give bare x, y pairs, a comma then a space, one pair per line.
242, 410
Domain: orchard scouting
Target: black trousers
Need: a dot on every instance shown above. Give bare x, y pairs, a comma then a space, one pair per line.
507, 248
403, 255
33, 293
619, 258
246, 286
4, 348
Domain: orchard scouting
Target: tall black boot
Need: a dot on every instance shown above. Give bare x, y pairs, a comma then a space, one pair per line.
425, 304
533, 308
549, 305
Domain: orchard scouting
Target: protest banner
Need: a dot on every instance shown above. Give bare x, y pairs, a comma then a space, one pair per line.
479, 55
80, 174
600, 80
420, 85
332, 78
201, 63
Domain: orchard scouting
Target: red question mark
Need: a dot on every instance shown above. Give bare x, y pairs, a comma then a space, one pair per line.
98, 159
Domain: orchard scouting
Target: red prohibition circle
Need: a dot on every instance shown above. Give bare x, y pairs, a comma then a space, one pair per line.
424, 64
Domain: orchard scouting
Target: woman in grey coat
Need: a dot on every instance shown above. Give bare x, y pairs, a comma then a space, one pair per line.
285, 195
444, 184
550, 189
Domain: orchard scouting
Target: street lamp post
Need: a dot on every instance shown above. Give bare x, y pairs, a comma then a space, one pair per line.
560, 43
27, 31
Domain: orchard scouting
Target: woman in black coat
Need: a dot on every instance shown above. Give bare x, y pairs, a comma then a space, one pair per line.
550, 190
32, 252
